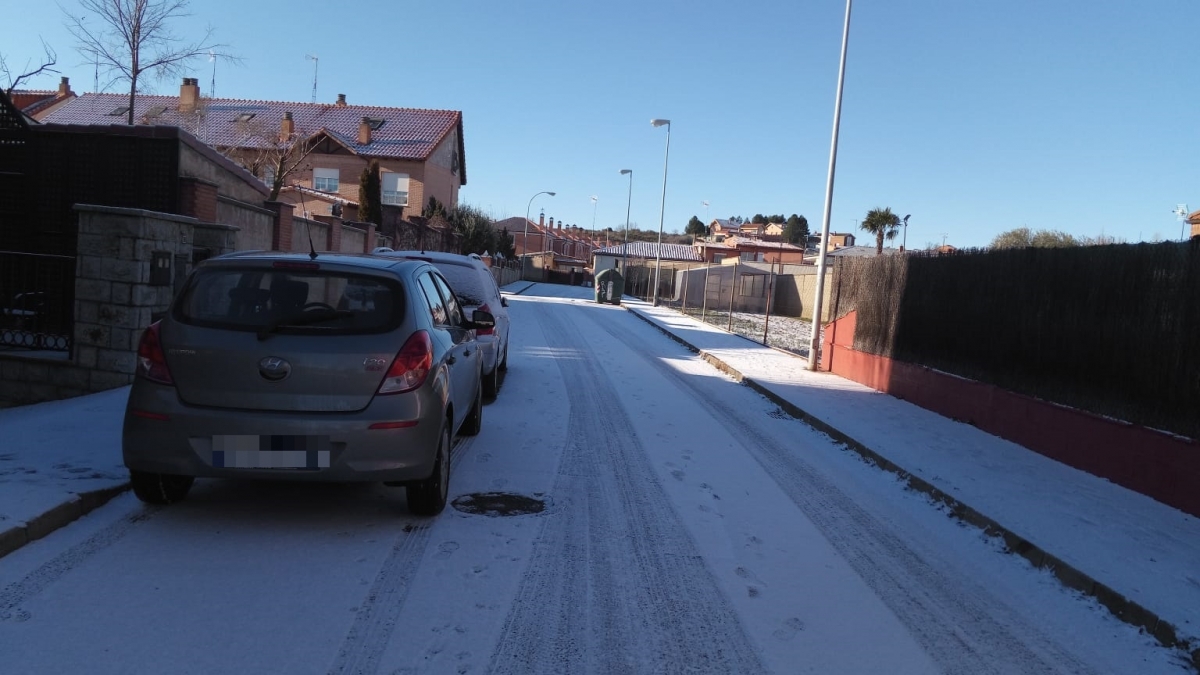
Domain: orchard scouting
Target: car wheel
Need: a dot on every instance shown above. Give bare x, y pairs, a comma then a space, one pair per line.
474, 422
160, 488
491, 383
428, 497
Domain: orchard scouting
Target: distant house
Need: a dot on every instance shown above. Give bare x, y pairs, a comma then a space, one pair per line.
836, 240
773, 230
420, 152
749, 250
721, 228
37, 104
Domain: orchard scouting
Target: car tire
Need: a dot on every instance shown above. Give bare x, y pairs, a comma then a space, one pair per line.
503, 367
160, 488
491, 383
428, 497
474, 422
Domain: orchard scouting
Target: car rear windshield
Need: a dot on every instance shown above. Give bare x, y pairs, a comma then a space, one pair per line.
290, 301
466, 282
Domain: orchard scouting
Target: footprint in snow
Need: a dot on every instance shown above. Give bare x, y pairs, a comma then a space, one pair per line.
789, 629
677, 474
446, 549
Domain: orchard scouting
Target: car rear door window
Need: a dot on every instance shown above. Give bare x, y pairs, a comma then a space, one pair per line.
437, 307
454, 310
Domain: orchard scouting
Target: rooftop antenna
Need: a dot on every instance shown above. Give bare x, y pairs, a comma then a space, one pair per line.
316, 64
212, 87
1181, 211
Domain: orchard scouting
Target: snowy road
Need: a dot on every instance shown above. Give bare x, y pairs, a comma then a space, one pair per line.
690, 527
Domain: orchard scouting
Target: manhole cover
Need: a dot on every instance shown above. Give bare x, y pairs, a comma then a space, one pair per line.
498, 504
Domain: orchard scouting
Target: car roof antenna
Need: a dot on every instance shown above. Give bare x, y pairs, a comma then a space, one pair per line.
312, 250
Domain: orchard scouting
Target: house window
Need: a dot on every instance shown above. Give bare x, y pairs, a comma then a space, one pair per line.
269, 174
325, 180
395, 188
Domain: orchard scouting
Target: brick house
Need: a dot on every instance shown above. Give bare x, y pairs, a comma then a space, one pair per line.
720, 228
420, 152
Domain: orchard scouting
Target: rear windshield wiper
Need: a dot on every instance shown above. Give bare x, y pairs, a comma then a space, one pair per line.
303, 319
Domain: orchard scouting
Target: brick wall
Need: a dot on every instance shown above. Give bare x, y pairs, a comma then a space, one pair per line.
198, 199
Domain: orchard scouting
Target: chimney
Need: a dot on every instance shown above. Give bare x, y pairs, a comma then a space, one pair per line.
341, 99
287, 128
364, 131
189, 95
64, 88
542, 219
552, 222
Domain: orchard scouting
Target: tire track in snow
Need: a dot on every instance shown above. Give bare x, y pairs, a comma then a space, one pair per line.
365, 643
958, 623
615, 583
16, 594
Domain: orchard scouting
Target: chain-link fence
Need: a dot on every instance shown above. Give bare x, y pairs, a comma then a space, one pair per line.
765, 302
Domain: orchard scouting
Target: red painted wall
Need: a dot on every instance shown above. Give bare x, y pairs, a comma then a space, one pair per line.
1156, 464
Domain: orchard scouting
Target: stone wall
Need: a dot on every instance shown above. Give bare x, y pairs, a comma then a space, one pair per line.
116, 294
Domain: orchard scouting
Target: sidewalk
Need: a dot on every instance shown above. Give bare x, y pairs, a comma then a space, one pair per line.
1138, 557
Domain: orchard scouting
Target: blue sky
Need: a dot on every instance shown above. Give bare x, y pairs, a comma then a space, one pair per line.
973, 117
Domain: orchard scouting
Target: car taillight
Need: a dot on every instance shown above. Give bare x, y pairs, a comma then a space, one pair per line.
411, 367
151, 361
485, 331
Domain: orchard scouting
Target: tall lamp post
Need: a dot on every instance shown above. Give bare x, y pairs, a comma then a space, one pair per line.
625, 245
661, 209
594, 200
904, 240
814, 348
525, 237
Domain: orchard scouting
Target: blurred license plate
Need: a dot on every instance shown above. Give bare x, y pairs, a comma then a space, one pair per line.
270, 452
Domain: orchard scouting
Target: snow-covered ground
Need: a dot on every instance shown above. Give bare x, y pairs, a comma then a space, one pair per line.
689, 526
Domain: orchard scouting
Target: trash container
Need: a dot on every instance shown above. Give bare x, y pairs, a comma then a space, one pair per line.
610, 286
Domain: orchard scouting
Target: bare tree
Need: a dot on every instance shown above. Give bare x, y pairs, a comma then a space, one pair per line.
133, 38
48, 60
272, 156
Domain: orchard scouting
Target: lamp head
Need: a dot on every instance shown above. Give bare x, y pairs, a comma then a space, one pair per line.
625, 171
550, 193
659, 123
907, 217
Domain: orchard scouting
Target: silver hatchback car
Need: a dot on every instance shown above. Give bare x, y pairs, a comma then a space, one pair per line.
282, 366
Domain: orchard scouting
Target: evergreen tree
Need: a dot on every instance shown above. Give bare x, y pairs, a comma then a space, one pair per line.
695, 227
370, 195
795, 231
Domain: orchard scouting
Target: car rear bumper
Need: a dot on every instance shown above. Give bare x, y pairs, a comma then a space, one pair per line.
162, 435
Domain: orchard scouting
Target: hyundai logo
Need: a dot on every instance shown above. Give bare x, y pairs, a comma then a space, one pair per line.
274, 368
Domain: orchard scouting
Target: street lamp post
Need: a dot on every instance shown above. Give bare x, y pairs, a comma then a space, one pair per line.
625, 245
904, 240
525, 237
814, 348
662, 208
594, 200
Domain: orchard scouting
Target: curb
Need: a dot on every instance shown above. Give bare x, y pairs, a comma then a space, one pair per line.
58, 517
1121, 607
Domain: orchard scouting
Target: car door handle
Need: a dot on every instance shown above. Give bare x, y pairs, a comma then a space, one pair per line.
450, 360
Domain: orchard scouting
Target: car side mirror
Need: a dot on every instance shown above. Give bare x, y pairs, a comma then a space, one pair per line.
482, 319
503, 301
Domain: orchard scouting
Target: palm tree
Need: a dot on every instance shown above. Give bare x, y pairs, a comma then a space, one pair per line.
883, 224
